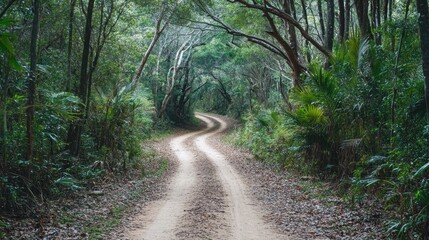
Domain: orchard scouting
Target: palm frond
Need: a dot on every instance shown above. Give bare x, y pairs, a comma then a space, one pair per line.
304, 96
309, 116
324, 81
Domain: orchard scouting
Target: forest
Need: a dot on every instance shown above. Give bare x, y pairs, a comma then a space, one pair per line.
335, 89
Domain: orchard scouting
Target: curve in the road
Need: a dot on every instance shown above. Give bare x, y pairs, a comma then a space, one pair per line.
245, 219
161, 219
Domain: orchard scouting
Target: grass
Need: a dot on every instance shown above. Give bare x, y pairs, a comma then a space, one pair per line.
66, 219
103, 225
152, 164
163, 166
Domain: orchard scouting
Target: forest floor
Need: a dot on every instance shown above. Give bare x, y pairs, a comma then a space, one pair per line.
211, 190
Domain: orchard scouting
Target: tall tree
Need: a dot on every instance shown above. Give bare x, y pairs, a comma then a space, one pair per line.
172, 75
306, 27
330, 25
321, 19
347, 16
376, 19
159, 28
422, 9
362, 9
341, 21
272, 13
31, 81
106, 25
70, 44
75, 132
287, 8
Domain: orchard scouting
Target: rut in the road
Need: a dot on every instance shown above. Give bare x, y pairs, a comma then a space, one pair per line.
206, 198
204, 219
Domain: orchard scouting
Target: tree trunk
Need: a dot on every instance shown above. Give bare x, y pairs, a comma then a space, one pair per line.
305, 16
31, 82
341, 21
3, 129
287, 7
76, 130
347, 19
322, 21
293, 59
422, 9
395, 71
329, 40
159, 29
187, 45
376, 18
385, 10
70, 43
393, 37
185, 89
362, 14
145, 57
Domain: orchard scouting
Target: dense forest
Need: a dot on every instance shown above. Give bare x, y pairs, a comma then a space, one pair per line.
334, 89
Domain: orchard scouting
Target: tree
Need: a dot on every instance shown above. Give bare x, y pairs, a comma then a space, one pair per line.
283, 46
31, 81
70, 44
422, 9
159, 29
183, 54
362, 9
330, 25
75, 132
341, 21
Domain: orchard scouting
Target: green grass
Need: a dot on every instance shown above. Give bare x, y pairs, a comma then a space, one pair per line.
66, 219
104, 225
163, 166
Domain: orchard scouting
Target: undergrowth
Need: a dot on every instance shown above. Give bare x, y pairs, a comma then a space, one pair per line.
348, 125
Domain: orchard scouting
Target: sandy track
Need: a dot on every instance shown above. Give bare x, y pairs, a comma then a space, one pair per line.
159, 219
244, 217
206, 199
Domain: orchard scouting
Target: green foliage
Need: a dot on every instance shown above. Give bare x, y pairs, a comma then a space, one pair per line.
341, 126
68, 181
309, 116
266, 134
6, 46
113, 127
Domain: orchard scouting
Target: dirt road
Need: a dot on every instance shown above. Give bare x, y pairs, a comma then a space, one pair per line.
207, 198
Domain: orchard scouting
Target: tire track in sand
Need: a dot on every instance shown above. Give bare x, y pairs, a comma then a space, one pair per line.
244, 218
204, 180
160, 219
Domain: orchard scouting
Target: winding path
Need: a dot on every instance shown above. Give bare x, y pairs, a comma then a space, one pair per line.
206, 199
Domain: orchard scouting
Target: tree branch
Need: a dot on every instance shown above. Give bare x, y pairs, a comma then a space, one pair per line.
9, 4
279, 13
